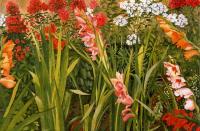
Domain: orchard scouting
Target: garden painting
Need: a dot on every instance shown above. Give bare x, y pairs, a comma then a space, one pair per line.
99, 65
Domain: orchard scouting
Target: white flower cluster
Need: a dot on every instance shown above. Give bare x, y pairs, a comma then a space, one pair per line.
132, 39
179, 20
120, 20
2, 20
89, 12
149, 7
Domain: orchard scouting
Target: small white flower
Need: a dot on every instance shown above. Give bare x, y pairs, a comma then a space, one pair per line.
2, 20
158, 8
181, 21
132, 39
172, 17
89, 12
120, 21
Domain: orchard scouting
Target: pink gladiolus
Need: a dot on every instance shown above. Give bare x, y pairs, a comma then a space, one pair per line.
87, 34
123, 96
178, 82
183, 92
172, 70
126, 114
189, 105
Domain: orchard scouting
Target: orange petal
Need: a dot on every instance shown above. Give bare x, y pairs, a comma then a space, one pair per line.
8, 82
165, 27
160, 20
183, 44
8, 47
190, 53
176, 36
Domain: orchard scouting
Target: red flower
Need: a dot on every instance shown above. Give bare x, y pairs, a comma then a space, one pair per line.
17, 41
93, 4
12, 8
34, 6
80, 4
181, 3
44, 6
56, 42
175, 120
50, 29
55, 5
14, 24
193, 3
101, 19
63, 14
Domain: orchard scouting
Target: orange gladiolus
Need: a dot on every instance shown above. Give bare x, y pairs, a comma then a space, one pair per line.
183, 44
190, 53
178, 38
8, 82
7, 64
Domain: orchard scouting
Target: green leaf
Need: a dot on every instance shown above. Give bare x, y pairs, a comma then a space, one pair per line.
79, 92
12, 99
72, 66
27, 121
87, 113
22, 111
146, 107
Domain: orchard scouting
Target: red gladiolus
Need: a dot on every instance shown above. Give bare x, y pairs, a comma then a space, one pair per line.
56, 5
63, 14
12, 8
177, 121
101, 19
80, 4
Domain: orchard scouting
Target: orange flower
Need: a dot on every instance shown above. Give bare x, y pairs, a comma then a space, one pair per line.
178, 38
8, 47
190, 53
183, 44
5, 65
8, 81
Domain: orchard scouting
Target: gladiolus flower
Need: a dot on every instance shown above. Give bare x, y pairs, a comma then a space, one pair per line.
123, 96
189, 105
173, 119
178, 38
178, 82
8, 82
183, 92
172, 70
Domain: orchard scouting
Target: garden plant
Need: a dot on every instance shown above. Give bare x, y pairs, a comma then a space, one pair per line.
100, 65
